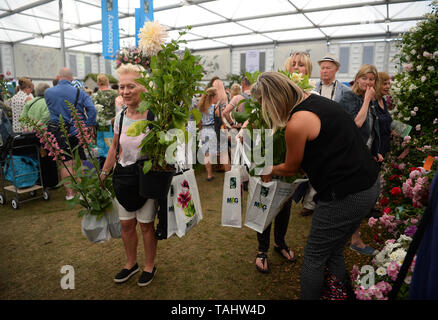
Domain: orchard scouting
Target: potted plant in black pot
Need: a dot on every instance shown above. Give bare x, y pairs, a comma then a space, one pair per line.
171, 82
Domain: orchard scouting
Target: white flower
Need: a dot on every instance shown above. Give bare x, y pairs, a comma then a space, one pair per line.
419, 67
381, 271
413, 113
408, 279
431, 68
423, 78
427, 54
398, 256
407, 118
418, 127
413, 50
435, 121
151, 37
412, 87
416, 109
404, 238
435, 54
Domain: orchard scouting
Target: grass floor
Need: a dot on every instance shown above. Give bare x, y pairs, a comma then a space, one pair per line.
210, 262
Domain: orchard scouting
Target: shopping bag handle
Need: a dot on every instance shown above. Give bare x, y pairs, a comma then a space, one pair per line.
240, 152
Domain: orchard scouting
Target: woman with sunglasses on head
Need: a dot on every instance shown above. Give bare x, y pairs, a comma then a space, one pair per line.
324, 141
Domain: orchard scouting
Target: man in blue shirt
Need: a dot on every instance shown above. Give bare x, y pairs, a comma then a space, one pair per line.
55, 98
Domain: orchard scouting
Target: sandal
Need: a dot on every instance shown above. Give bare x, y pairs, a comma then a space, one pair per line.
279, 250
263, 257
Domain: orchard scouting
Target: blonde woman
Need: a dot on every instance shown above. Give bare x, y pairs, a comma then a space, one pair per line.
123, 154
359, 104
324, 141
299, 62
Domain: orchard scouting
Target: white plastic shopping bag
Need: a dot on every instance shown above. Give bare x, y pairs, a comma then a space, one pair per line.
96, 230
171, 219
186, 202
232, 191
114, 225
265, 200
232, 198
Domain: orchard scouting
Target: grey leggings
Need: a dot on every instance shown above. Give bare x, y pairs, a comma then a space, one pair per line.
333, 224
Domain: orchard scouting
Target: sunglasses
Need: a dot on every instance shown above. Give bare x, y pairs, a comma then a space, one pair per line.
299, 52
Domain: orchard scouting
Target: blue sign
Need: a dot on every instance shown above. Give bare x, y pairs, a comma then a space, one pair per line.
110, 29
142, 15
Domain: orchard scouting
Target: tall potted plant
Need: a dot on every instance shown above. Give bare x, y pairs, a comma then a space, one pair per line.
171, 83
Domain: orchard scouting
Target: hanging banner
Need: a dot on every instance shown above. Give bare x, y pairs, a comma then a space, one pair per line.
110, 29
143, 14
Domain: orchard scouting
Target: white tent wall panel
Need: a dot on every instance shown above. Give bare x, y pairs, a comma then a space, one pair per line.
7, 60
215, 62
269, 57
36, 62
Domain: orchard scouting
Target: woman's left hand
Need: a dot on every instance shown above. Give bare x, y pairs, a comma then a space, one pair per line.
266, 174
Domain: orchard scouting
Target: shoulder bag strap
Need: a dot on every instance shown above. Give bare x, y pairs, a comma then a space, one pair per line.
120, 132
37, 99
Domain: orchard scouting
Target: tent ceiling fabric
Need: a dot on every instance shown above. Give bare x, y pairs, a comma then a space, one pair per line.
216, 23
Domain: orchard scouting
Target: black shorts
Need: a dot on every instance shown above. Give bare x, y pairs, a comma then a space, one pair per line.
72, 140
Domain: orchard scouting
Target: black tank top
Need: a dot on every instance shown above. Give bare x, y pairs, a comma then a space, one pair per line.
337, 162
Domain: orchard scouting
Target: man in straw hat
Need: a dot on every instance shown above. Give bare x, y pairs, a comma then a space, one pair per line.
329, 87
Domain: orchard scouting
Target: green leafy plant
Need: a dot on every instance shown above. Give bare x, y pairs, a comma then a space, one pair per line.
414, 89
93, 194
170, 86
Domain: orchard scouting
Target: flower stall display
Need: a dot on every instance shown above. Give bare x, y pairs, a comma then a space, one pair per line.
414, 90
132, 55
409, 168
376, 284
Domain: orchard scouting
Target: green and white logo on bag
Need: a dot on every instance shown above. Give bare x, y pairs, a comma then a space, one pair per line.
264, 191
233, 183
232, 200
260, 205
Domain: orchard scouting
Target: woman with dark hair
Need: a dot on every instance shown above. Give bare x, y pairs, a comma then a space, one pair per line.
18, 100
385, 119
322, 139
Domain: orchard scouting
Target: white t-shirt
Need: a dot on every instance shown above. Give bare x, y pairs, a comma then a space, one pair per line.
130, 152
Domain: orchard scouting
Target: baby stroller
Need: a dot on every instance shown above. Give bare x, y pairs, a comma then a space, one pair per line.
19, 164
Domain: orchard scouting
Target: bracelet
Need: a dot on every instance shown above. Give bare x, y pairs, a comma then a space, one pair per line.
104, 173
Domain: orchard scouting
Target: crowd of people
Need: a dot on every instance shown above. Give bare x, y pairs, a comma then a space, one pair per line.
337, 135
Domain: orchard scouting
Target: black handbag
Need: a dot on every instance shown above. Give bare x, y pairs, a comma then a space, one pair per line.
126, 180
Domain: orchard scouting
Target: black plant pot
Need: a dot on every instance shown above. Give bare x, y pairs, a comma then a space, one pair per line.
155, 184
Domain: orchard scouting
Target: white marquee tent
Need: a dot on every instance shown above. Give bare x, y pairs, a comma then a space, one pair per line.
216, 24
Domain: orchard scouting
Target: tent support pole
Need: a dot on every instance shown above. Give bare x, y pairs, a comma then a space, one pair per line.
61, 32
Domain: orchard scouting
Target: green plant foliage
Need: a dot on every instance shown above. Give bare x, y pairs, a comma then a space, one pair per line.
415, 89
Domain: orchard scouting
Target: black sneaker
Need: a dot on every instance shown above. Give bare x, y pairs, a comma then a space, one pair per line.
125, 274
146, 277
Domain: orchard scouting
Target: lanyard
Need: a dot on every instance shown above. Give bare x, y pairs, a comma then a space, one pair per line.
333, 89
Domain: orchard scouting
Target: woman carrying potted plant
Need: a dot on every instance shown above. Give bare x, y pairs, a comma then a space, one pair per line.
324, 141
124, 154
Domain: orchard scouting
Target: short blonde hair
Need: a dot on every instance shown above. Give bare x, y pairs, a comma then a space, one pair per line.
363, 70
130, 68
24, 83
102, 80
235, 90
278, 96
383, 76
304, 57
